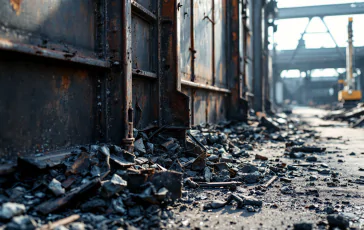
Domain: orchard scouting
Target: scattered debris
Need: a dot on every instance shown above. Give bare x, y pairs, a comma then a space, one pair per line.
216, 166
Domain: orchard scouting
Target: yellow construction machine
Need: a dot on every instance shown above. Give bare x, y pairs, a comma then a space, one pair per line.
350, 96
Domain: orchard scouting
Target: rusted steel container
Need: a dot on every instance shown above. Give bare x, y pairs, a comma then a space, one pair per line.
79, 72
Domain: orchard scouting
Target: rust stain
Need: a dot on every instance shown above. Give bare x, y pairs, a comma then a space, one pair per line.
82, 74
16, 5
66, 82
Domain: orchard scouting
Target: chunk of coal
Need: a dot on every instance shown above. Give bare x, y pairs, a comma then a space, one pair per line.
176, 166
56, 187
21, 223
123, 159
248, 168
236, 198
113, 186
311, 159
303, 226
136, 211
251, 178
77, 193
43, 162
118, 206
190, 183
171, 145
313, 178
248, 200
139, 146
95, 171
93, 205
170, 180
9, 210
338, 221
81, 164
308, 149
200, 163
269, 124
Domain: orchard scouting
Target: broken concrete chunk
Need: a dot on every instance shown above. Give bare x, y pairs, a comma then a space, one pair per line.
207, 174
113, 186
296, 154
56, 187
139, 146
77, 226
226, 157
214, 204
9, 210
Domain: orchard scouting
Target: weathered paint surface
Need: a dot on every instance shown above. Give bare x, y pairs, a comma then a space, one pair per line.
46, 105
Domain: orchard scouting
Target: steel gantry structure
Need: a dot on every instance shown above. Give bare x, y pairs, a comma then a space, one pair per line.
305, 59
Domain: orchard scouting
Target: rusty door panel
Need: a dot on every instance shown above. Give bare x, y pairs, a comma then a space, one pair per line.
145, 102
56, 24
203, 41
220, 46
142, 33
206, 106
185, 43
46, 105
145, 61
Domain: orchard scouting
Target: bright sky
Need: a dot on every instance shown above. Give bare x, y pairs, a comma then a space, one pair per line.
289, 30
297, 3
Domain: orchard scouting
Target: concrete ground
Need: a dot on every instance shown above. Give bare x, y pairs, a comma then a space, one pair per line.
310, 200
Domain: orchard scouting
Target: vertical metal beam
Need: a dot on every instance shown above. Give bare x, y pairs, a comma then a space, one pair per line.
174, 105
120, 54
257, 55
238, 106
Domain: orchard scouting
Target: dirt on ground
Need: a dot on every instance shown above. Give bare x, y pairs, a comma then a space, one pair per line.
283, 171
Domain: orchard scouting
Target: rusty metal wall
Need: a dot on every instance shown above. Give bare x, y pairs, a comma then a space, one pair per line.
79, 72
208, 77
52, 80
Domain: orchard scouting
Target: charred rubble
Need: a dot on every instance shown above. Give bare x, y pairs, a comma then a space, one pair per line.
106, 187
